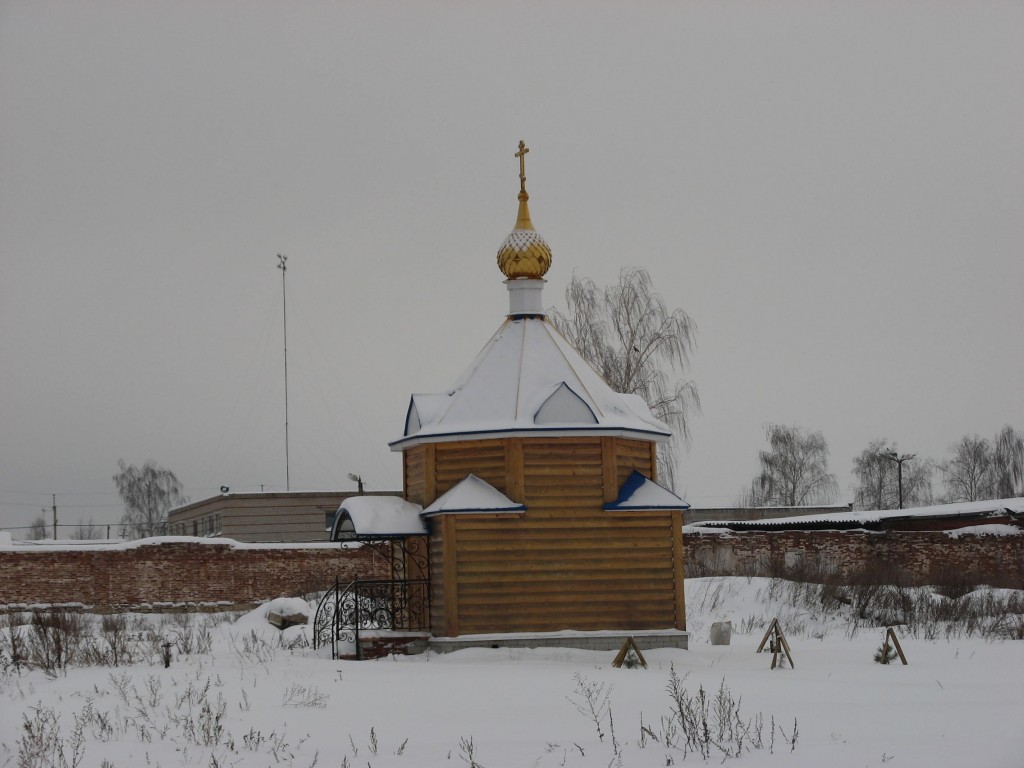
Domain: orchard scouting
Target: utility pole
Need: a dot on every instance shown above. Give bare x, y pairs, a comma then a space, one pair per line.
55, 517
895, 457
281, 264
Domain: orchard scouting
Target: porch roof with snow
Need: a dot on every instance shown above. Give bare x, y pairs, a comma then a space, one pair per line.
377, 517
527, 380
471, 494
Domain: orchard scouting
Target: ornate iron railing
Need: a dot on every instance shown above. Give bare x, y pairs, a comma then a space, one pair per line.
345, 611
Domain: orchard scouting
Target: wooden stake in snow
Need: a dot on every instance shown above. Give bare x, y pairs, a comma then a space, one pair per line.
628, 646
778, 644
891, 635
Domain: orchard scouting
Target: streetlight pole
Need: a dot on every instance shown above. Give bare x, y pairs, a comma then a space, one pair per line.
895, 457
284, 300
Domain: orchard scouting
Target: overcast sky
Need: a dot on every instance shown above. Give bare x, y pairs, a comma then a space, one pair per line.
833, 191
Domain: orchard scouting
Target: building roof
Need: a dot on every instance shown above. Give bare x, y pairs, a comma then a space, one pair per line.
377, 517
966, 510
527, 379
640, 492
471, 494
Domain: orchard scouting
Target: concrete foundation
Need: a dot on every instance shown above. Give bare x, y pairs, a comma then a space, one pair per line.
592, 641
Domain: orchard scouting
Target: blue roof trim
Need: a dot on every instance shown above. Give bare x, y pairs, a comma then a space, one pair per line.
591, 428
631, 486
633, 483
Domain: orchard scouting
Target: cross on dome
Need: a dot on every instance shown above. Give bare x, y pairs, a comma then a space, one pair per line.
524, 254
521, 154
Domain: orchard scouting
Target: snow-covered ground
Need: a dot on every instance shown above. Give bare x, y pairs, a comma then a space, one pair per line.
251, 701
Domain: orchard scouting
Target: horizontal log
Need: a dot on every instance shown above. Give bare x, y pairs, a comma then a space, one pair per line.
483, 459
563, 597
509, 566
592, 538
570, 617
638, 451
530, 548
482, 445
533, 460
562, 538
540, 508
569, 603
552, 475
554, 540
534, 572
539, 521
560, 443
516, 623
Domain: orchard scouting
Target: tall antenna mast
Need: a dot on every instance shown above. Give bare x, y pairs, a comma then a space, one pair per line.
281, 264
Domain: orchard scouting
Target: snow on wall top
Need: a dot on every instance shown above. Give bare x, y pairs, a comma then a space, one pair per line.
471, 494
640, 492
379, 516
957, 509
65, 545
527, 369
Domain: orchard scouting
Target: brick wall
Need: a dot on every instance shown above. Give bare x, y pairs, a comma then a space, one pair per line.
155, 573
914, 557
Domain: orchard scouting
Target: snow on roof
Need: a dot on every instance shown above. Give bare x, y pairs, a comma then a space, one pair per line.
528, 378
378, 516
957, 509
994, 529
640, 492
471, 494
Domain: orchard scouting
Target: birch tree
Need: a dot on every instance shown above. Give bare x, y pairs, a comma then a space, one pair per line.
985, 469
877, 479
148, 492
627, 333
1008, 463
794, 470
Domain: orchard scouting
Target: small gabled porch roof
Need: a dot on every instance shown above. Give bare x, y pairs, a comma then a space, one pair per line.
471, 494
640, 492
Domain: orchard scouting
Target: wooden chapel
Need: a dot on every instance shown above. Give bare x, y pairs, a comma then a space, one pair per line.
537, 483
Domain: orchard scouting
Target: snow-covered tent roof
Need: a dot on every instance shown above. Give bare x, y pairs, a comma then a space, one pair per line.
361, 517
471, 494
640, 492
527, 379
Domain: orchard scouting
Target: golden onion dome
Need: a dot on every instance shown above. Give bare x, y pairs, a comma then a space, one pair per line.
524, 253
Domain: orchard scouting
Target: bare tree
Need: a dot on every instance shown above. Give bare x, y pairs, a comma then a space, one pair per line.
37, 530
87, 530
1008, 463
628, 335
149, 492
794, 470
969, 475
985, 469
877, 485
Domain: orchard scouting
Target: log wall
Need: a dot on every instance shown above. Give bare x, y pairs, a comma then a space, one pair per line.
563, 564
